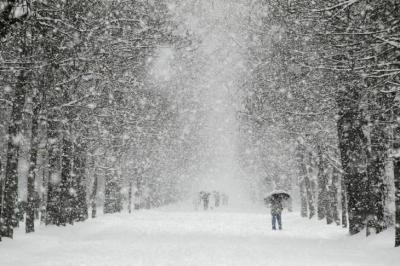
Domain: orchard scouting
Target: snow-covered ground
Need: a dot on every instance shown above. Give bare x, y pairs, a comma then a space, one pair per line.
178, 236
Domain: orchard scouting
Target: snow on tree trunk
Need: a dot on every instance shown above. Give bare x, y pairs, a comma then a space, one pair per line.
302, 172
81, 209
323, 208
352, 145
396, 162
67, 192
53, 185
1, 197
343, 201
30, 211
130, 196
11, 177
303, 199
307, 198
112, 200
333, 197
397, 198
43, 194
310, 197
93, 196
378, 156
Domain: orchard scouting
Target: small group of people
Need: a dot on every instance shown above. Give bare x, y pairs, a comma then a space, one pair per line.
209, 200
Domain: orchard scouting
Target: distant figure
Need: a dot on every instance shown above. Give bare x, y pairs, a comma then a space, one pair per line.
276, 212
201, 194
206, 198
216, 198
196, 201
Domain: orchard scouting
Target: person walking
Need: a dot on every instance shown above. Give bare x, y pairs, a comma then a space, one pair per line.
216, 198
275, 200
276, 212
206, 198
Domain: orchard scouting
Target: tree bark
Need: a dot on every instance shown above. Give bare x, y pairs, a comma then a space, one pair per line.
110, 192
352, 146
30, 212
396, 164
67, 193
1, 196
343, 202
397, 198
378, 156
303, 199
112, 199
130, 196
302, 170
323, 208
333, 198
93, 197
79, 172
53, 185
310, 198
310, 193
43, 202
10, 191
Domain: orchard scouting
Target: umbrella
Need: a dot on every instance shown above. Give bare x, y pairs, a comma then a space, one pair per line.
277, 194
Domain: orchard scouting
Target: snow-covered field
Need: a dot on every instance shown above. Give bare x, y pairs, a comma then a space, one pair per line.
177, 236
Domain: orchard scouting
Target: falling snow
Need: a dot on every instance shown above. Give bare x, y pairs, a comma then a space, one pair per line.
210, 132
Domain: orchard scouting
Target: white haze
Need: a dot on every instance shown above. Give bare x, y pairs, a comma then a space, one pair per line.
210, 72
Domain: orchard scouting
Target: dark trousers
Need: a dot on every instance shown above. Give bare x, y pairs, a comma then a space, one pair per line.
276, 217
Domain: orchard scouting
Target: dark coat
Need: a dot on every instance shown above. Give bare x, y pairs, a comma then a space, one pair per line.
276, 205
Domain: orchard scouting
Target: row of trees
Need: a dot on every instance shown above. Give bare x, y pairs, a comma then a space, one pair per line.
326, 78
78, 112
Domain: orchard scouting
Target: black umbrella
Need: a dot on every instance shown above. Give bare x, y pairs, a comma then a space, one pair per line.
277, 194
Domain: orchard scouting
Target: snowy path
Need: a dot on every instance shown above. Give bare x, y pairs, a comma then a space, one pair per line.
180, 237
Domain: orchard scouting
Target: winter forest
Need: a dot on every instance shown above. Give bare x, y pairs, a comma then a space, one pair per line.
154, 132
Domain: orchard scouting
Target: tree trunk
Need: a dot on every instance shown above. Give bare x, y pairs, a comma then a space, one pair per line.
67, 193
30, 212
397, 198
302, 170
79, 172
130, 196
112, 199
352, 146
93, 196
1, 196
343, 202
322, 185
333, 198
310, 194
10, 191
43, 202
303, 199
109, 192
378, 156
396, 164
118, 203
376, 174
53, 184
